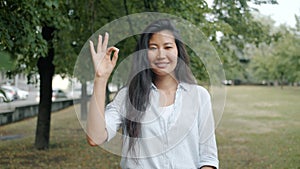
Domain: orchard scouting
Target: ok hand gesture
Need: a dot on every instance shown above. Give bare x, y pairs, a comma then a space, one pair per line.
103, 64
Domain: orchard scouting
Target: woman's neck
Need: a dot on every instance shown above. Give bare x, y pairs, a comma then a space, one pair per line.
166, 83
167, 86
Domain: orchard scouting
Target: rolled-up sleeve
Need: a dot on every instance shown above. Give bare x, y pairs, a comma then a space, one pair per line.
207, 141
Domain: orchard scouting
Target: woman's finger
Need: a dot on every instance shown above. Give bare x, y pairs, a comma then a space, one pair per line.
115, 57
92, 49
99, 46
105, 42
110, 50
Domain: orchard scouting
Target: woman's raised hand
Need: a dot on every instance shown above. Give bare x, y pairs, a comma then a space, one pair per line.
103, 63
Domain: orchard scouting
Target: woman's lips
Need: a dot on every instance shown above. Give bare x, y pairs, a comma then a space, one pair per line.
161, 65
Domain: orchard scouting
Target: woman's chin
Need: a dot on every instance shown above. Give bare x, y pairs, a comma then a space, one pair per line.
163, 72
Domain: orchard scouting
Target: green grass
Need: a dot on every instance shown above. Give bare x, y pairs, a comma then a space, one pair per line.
260, 129
68, 147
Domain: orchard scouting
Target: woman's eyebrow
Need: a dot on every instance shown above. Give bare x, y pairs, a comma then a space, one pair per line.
153, 44
168, 43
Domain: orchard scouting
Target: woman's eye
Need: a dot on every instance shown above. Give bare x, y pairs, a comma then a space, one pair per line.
152, 48
168, 47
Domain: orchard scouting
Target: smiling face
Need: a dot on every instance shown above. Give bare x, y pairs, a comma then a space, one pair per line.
162, 53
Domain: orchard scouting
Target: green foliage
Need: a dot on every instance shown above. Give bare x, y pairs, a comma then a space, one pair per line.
6, 62
287, 58
261, 63
21, 25
20, 32
238, 28
279, 61
75, 21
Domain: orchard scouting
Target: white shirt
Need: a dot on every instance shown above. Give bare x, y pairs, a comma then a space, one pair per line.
180, 136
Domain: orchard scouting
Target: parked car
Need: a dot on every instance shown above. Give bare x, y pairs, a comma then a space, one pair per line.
56, 94
18, 93
10, 93
22, 94
227, 82
2, 97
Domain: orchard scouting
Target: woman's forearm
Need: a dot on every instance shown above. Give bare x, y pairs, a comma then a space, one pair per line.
96, 132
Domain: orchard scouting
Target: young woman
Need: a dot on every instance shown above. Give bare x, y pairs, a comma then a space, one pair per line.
166, 119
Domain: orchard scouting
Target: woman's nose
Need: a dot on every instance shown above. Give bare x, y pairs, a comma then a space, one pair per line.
161, 54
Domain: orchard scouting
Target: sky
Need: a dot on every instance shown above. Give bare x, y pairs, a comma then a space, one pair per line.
282, 13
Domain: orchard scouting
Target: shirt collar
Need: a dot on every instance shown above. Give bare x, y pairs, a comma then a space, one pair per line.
181, 85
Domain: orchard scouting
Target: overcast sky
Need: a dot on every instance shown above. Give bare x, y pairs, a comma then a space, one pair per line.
283, 13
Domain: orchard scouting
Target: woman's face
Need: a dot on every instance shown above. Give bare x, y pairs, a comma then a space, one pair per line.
162, 53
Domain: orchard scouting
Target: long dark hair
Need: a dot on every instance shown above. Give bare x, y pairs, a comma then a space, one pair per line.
141, 77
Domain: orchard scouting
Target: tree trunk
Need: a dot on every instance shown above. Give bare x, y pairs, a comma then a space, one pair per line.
46, 72
282, 80
83, 104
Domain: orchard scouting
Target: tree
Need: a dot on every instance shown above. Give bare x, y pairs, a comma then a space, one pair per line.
238, 28
51, 33
279, 61
286, 58
261, 62
29, 31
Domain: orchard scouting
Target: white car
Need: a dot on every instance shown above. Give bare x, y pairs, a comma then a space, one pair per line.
2, 98
19, 93
8, 97
22, 94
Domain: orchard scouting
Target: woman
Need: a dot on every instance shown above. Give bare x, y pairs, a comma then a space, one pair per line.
166, 118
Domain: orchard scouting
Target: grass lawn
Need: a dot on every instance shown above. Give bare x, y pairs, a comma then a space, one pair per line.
260, 128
